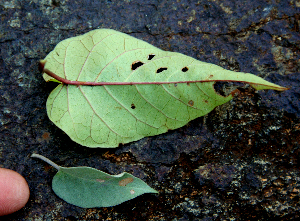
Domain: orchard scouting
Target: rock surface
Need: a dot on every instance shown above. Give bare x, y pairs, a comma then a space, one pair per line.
239, 162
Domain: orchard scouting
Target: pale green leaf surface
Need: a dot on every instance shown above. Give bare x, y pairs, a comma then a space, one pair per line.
105, 116
88, 187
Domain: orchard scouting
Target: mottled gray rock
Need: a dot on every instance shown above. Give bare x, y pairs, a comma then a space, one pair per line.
239, 162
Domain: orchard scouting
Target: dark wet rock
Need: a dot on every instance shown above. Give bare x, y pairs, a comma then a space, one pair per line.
239, 162
219, 175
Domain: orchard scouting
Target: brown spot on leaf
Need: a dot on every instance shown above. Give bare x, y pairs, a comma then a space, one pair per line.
191, 103
132, 191
136, 64
125, 181
188, 84
100, 180
175, 85
210, 76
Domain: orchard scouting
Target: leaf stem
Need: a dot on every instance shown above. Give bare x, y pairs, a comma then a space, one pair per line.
46, 160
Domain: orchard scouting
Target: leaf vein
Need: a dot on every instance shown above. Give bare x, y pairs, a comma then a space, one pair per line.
156, 107
127, 109
123, 53
96, 113
164, 87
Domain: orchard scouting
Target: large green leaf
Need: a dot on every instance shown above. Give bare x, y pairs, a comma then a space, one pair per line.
153, 91
87, 187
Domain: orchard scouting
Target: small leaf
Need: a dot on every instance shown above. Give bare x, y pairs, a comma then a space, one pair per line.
116, 89
87, 187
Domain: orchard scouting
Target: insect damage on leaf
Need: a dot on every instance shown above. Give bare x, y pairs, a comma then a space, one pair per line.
185, 69
105, 75
159, 70
191, 103
150, 56
87, 187
136, 64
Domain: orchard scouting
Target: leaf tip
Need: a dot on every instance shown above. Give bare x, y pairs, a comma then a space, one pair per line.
154, 191
270, 86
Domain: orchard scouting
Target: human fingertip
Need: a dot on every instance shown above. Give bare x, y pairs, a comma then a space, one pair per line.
14, 192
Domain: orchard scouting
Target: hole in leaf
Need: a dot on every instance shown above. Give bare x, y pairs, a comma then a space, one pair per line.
219, 88
185, 69
159, 70
132, 106
125, 181
150, 56
191, 103
175, 85
136, 64
225, 88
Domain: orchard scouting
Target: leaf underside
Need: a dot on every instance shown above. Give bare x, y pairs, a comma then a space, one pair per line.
108, 115
87, 187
